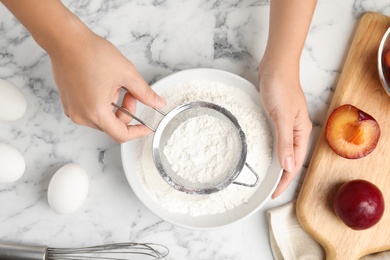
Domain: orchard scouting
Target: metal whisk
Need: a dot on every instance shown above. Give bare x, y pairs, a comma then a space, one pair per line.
118, 251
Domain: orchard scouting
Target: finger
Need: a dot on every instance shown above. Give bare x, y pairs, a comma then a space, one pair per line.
287, 177
120, 131
285, 151
285, 141
284, 182
301, 141
128, 103
143, 92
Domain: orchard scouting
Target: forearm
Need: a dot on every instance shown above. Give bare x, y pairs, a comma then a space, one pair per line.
289, 24
48, 21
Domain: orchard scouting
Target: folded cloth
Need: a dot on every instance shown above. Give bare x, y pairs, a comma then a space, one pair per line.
290, 241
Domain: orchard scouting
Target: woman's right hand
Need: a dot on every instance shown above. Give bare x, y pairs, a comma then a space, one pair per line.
90, 73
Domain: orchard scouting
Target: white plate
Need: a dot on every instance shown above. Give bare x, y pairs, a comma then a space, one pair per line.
263, 193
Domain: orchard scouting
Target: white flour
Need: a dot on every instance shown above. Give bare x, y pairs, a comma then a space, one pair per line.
201, 148
259, 146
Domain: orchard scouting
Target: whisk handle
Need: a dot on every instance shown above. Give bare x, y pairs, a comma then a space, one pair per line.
9, 251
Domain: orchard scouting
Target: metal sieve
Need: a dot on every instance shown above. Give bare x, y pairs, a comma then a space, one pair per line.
171, 121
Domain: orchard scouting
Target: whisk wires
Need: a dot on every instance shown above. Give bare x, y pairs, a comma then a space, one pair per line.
118, 251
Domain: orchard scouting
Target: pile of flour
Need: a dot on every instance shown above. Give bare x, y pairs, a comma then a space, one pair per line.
259, 149
202, 150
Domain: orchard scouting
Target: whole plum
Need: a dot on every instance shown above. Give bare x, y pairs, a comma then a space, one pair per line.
359, 204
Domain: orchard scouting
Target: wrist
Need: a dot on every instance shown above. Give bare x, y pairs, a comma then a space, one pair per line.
61, 32
49, 22
272, 74
281, 56
279, 66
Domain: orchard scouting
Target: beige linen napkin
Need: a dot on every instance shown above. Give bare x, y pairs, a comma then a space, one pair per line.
289, 241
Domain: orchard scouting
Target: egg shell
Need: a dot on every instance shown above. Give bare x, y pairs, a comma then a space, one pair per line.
13, 104
12, 164
68, 189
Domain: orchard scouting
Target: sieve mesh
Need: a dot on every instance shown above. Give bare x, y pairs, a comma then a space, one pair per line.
178, 116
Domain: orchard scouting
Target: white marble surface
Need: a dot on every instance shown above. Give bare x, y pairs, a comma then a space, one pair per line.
160, 37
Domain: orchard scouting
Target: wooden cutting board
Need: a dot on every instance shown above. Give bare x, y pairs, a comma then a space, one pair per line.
358, 85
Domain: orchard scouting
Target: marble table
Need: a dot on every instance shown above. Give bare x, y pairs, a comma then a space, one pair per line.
160, 37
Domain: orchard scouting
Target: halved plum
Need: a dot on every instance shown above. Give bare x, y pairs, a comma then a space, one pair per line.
351, 132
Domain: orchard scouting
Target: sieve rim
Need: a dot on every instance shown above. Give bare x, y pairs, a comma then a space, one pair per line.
157, 140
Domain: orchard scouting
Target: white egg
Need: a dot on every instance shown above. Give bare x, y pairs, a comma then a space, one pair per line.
12, 164
68, 189
13, 104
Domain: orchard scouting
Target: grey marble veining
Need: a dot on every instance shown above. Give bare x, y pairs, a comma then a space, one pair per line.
159, 37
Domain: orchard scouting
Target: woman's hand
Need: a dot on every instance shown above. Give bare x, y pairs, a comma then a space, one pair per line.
284, 101
89, 70
90, 73
280, 88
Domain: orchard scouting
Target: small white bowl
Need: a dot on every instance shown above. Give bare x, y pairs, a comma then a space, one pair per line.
259, 198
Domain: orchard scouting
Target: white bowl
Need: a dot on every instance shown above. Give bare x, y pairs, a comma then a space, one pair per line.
259, 198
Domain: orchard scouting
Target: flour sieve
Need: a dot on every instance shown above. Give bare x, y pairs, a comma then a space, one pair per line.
176, 117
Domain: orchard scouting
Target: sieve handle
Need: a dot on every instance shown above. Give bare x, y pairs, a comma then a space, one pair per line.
246, 184
135, 117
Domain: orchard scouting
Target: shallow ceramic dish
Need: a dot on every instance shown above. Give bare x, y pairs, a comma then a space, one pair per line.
259, 198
